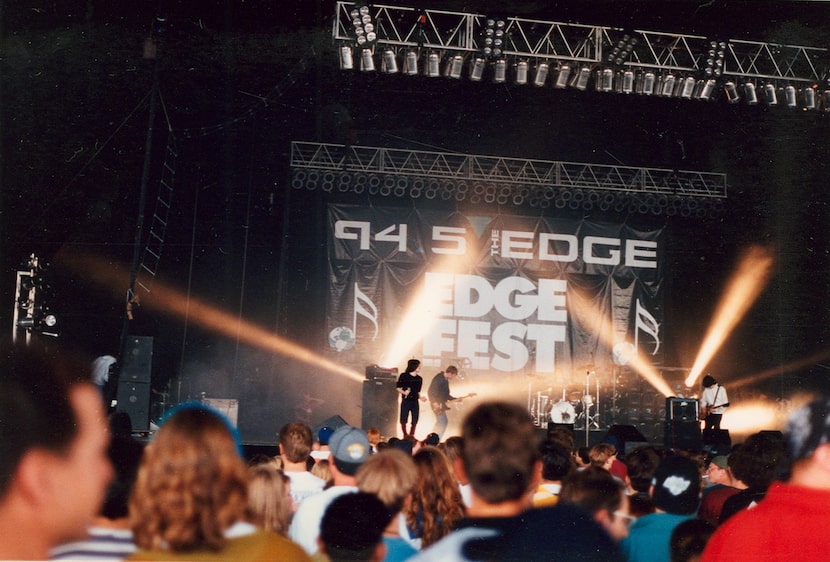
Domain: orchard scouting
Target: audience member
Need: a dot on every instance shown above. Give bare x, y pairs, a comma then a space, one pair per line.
689, 539
757, 462
500, 457
53, 442
720, 489
602, 455
320, 449
562, 435
352, 527
391, 476
641, 463
295, 443
557, 462
596, 491
675, 491
375, 438
191, 494
436, 503
269, 499
109, 537
581, 457
322, 470
452, 447
791, 522
349, 449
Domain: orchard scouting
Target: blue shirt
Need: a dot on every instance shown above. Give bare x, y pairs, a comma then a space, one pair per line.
649, 537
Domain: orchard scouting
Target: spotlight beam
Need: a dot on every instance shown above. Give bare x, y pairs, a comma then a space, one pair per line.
744, 287
780, 369
172, 302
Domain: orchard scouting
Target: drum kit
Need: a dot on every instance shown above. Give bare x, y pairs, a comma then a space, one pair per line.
577, 407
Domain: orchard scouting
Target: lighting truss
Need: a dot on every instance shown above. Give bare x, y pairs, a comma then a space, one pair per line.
499, 180
578, 46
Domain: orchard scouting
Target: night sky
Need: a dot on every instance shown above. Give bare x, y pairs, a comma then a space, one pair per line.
74, 109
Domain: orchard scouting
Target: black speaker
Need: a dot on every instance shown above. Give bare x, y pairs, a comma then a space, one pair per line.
333, 422
137, 361
627, 436
380, 407
683, 435
681, 409
134, 399
717, 441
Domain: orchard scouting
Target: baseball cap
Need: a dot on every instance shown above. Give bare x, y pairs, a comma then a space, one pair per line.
324, 435
349, 448
721, 461
807, 428
677, 484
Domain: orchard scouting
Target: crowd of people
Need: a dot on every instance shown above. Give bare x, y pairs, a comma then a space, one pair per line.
76, 485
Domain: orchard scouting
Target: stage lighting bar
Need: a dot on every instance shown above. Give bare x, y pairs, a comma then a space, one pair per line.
640, 61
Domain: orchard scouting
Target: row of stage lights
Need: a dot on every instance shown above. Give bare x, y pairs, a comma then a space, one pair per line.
612, 76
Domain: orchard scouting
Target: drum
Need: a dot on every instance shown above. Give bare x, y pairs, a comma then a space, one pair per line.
563, 412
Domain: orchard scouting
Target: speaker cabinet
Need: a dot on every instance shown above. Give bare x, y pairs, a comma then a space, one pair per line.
134, 399
627, 436
380, 406
137, 362
683, 435
681, 409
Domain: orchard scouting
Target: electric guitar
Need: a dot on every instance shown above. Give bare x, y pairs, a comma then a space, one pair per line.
439, 407
706, 410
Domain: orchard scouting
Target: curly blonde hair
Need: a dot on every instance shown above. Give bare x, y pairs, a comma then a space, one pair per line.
436, 500
191, 485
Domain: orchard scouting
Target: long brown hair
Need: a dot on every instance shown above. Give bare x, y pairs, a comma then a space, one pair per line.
436, 500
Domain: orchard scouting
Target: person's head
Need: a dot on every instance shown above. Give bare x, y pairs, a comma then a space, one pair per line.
562, 435
192, 484
718, 472
760, 459
557, 461
808, 440
600, 494
374, 436
641, 463
581, 457
324, 435
708, 381
500, 451
269, 498
451, 372
349, 449
413, 366
432, 440
322, 470
53, 442
390, 475
352, 528
436, 502
689, 539
602, 455
295, 442
676, 486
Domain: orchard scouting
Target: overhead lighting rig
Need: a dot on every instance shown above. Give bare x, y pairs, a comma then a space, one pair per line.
578, 56
32, 311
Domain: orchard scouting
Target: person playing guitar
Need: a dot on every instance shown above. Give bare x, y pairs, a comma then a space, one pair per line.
440, 397
713, 403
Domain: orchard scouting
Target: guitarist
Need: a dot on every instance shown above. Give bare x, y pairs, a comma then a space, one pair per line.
713, 403
440, 397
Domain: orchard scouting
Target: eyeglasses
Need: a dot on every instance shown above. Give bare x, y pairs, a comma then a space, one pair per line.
629, 519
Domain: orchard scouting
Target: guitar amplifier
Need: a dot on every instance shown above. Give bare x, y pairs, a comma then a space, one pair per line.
681, 409
375, 373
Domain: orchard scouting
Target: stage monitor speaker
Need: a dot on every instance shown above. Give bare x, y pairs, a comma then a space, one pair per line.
333, 422
717, 441
681, 409
380, 407
627, 436
683, 435
137, 362
134, 399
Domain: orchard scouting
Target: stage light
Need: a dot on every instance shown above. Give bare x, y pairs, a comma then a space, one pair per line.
521, 72
770, 94
790, 97
542, 70
649, 80
688, 87
580, 79
410, 65
562, 76
364, 27
668, 85
346, 58
390, 62
809, 97
455, 66
500, 71
627, 82
432, 68
606, 80
367, 62
751, 95
477, 69
707, 88
825, 100
731, 91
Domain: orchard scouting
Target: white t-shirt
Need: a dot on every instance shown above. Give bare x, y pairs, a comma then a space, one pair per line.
101, 369
715, 395
304, 484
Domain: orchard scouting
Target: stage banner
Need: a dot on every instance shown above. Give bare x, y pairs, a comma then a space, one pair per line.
494, 293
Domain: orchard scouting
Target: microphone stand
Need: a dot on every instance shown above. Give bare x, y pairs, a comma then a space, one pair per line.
586, 408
